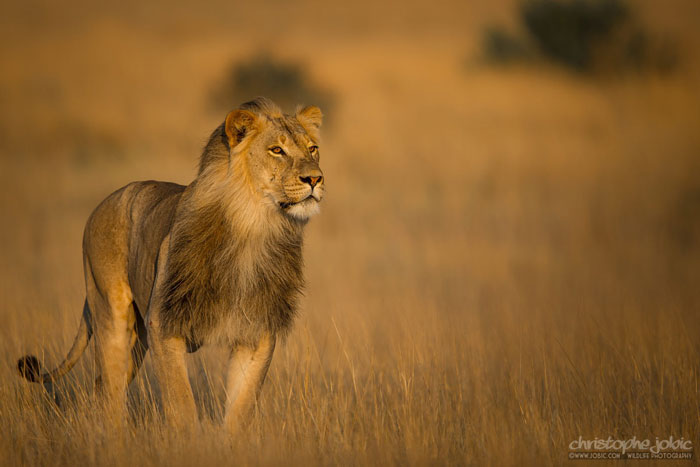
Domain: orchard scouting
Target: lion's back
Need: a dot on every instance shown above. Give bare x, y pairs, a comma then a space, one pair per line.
124, 232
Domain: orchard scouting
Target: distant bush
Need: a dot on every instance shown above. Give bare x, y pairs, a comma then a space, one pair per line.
568, 32
285, 83
582, 35
502, 47
643, 51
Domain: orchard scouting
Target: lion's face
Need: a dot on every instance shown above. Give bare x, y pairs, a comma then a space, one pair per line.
283, 158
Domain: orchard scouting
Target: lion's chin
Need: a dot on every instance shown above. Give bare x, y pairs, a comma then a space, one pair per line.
303, 210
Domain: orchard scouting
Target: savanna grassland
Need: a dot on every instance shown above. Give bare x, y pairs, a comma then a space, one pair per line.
507, 258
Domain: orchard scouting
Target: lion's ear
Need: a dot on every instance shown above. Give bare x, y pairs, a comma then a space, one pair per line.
238, 124
310, 117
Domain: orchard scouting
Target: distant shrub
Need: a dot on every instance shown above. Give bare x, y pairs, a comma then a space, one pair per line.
286, 83
569, 31
502, 47
582, 35
642, 51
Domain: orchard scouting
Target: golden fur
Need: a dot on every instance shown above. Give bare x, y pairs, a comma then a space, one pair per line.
170, 267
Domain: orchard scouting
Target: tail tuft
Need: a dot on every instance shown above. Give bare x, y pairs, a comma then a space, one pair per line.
29, 368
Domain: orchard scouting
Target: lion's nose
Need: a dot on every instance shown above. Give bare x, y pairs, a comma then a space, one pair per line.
311, 180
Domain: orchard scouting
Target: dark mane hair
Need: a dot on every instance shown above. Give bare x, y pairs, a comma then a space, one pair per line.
219, 271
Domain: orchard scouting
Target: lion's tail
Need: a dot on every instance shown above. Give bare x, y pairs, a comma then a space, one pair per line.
30, 368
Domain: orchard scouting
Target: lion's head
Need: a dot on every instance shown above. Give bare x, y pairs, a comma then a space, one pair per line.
279, 154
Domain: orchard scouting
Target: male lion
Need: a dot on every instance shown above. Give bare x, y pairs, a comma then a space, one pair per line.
170, 267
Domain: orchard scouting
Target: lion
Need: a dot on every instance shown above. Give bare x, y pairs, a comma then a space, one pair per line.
169, 268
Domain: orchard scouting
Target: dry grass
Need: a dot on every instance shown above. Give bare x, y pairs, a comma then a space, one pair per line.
506, 260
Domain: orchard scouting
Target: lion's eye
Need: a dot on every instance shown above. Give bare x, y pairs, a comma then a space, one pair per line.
313, 149
277, 150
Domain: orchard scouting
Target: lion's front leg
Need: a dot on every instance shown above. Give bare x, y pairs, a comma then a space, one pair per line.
246, 373
168, 357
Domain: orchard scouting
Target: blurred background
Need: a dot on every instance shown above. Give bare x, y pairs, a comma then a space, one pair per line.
508, 182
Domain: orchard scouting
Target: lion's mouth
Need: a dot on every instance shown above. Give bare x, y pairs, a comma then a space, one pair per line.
289, 204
